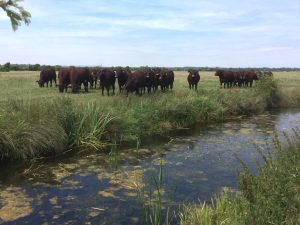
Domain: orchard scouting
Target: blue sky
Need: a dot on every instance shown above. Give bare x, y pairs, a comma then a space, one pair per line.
231, 33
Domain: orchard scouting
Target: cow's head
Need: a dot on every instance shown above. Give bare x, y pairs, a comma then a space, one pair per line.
40, 83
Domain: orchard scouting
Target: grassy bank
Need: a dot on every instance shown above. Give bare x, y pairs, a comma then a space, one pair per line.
271, 197
37, 122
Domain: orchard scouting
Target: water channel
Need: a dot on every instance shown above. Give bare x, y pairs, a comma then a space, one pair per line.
107, 189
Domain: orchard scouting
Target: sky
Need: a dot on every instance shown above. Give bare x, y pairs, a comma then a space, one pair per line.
214, 33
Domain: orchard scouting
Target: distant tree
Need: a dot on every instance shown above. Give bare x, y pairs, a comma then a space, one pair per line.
15, 12
6, 67
34, 67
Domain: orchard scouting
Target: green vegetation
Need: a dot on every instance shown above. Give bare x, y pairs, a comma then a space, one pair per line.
15, 13
33, 128
152, 203
38, 122
271, 197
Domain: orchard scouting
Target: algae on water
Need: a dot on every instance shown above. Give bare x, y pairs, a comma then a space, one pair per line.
15, 204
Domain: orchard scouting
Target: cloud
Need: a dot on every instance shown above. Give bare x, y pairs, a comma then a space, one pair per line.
169, 32
274, 49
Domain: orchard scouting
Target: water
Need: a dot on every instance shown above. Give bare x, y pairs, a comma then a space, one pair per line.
98, 189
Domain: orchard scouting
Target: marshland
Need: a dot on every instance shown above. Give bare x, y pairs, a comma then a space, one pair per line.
174, 157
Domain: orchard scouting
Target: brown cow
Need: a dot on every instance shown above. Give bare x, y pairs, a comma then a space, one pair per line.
136, 83
64, 79
79, 76
122, 75
47, 74
250, 76
107, 79
193, 79
226, 77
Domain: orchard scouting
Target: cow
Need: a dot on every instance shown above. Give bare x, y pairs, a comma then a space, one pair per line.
157, 74
250, 76
165, 79
64, 79
150, 80
226, 77
107, 78
170, 78
240, 78
79, 76
136, 83
47, 74
122, 75
94, 77
193, 79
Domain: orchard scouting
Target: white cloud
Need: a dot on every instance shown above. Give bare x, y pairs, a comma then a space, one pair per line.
274, 49
169, 32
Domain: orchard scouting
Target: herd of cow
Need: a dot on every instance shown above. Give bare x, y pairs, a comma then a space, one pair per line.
240, 78
140, 81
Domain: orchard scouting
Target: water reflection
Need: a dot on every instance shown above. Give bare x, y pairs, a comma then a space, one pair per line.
197, 163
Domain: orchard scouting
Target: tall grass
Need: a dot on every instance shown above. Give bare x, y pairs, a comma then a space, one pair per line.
87, 121
271, 197
33, 128
152, 203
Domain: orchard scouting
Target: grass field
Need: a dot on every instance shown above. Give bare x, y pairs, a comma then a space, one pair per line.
37, 121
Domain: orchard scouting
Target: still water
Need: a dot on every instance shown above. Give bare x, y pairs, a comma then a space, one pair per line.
107, 189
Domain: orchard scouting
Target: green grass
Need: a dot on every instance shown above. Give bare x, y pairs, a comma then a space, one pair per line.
36, 122
271, 197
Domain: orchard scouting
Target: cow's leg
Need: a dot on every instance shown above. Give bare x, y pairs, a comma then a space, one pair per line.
102, 87
107, 90
113, 87
86, 86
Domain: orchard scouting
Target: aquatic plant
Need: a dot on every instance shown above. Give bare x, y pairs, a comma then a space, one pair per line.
152, 205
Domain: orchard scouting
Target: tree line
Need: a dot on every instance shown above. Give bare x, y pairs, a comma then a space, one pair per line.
37, 67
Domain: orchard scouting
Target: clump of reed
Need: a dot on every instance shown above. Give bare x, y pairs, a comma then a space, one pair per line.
152, 202
34, 128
